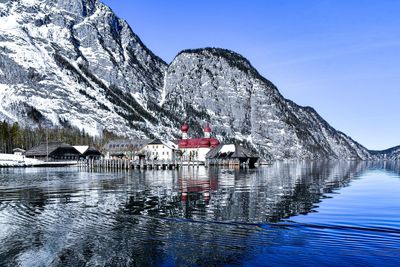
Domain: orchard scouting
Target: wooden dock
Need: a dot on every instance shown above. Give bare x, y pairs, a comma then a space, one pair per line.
47, 164
230, 163
124, 164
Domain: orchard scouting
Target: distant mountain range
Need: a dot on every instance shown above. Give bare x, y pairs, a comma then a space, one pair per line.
388, 154
75, 63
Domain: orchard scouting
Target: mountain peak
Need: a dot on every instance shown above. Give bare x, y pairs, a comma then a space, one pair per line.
217, 52
233, 58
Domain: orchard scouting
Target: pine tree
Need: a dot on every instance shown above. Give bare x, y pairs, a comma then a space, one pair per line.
15, 136
4, 133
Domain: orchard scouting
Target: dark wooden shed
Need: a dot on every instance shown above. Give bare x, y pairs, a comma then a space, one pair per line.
232, 152
92, 153
53, 151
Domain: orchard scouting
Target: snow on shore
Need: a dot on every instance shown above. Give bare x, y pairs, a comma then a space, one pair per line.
11, 160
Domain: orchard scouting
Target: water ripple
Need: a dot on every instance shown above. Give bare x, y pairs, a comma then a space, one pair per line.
288, 214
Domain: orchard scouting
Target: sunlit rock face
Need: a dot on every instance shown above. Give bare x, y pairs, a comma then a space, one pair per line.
222, 87
74, 63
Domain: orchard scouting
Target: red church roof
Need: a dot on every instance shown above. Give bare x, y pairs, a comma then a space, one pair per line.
198, 143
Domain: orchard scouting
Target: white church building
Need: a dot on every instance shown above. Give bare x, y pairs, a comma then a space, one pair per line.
195, 149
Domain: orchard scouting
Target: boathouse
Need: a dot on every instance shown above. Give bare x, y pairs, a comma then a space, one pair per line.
89, 152
231, 154
195, 149
124, 148
54, 151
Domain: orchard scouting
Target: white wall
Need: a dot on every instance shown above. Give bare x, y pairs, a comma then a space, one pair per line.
201, 152
162, 152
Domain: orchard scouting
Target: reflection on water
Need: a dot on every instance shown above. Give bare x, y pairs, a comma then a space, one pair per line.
288, 213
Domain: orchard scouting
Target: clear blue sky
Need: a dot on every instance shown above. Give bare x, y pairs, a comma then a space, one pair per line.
341, 57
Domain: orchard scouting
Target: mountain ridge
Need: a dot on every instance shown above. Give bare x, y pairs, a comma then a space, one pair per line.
194, 60
392, 153
76, 63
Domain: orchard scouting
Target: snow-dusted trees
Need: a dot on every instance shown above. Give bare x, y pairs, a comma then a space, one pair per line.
13, 136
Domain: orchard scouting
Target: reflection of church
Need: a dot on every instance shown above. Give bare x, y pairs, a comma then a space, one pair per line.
195, 187
261, 195
195, 149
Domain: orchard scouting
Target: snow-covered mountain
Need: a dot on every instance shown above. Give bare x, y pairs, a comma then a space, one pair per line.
73, 62
388, 154
221, 86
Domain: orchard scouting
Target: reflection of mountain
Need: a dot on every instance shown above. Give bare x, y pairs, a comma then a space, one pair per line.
278, 192
390, 166
311, 186
191, 217
266, 194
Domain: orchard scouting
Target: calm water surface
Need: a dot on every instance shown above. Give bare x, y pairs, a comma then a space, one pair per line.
288, 214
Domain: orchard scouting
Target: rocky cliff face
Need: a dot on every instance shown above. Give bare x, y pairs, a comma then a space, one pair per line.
388, 154
222, 87
75, 63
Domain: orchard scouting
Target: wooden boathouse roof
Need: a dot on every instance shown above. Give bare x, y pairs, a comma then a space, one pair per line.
92, 151
51, 147
230, 151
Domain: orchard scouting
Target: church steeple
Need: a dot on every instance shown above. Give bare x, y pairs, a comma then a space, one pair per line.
185, 129
207, 131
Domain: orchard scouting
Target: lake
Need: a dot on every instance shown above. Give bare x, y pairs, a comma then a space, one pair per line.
288, 214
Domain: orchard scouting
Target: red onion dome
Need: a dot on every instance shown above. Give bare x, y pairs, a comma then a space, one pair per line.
207, 128
185, 128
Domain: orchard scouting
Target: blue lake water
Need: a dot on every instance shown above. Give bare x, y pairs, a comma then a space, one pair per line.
287, 214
